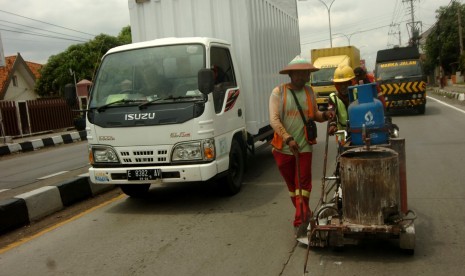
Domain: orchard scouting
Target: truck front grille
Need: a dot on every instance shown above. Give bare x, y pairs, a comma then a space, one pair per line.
145, 156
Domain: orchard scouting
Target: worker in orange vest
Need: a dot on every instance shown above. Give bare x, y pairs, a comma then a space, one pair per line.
290, 104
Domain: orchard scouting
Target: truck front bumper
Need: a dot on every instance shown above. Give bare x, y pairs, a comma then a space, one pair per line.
405, 103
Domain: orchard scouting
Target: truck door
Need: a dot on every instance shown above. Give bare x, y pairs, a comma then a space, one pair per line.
222, 66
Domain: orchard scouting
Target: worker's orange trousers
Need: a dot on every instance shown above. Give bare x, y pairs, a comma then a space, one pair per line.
288, 169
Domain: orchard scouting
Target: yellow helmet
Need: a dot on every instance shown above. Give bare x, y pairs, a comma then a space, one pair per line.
343, 73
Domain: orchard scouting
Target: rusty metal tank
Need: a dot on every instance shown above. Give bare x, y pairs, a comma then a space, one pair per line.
370, 185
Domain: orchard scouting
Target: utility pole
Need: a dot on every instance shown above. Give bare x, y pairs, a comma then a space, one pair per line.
440, 71
459, 18
411, 8
396, 33
400, 42
414, 26
2, 54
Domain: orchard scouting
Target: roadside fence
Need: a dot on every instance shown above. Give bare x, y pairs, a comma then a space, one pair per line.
24, 118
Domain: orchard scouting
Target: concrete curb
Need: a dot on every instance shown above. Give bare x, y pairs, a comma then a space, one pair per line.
44, 142
41, 202
450, 94
13, 214
31, 206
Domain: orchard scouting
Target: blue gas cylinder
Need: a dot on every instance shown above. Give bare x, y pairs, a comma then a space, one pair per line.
366, 112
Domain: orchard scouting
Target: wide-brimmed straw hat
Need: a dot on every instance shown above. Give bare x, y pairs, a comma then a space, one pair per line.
298, 63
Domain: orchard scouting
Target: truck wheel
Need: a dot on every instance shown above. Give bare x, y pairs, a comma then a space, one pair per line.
409, 252
231, 184
135, 190
421, 109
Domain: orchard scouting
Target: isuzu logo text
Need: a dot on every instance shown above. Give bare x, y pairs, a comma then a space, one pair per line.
139, 116
106, 138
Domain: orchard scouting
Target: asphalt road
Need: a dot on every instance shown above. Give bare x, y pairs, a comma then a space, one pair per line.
27, 168
189, 230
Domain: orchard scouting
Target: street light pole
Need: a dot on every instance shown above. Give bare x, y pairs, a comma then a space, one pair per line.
348, 36
329, 20
73, 73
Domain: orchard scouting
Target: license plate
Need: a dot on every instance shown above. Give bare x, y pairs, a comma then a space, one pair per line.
144, 174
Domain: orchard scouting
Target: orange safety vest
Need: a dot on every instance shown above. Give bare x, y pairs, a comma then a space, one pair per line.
277, 141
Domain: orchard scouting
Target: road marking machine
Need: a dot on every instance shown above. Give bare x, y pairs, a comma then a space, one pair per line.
368, 189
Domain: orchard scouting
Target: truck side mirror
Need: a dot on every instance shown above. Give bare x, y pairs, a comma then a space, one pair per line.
205, 81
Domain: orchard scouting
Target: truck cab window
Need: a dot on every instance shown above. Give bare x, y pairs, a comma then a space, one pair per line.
221, 65
223, 70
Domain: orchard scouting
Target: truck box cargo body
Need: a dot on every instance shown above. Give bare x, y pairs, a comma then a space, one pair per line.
185, 101
264, 35
401, 79
327, 60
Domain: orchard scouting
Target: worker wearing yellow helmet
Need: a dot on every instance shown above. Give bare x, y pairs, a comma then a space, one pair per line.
339, 101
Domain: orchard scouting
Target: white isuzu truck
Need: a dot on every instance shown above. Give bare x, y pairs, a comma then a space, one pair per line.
187, 99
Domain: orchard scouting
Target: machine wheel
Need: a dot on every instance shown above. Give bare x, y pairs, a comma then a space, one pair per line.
231, 184
336, 240
407, 240
135, 190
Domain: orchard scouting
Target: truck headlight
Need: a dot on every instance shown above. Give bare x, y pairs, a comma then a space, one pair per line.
195, 150
103, 155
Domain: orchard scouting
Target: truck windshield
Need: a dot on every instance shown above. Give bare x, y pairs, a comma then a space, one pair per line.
324, 76
144, 75
398, 69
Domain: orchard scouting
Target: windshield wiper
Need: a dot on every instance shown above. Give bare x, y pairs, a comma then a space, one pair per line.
171, 97
149, 102
105, 106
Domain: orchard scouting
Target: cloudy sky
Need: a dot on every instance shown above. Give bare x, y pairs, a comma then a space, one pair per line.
38, 29
365, 23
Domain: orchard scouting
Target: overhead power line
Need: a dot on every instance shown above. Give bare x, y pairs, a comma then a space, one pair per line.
51, 24
362, 31
32, 27
42, 35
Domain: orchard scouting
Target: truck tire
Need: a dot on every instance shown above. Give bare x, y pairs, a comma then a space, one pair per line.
231, 184
421, 109
135, 190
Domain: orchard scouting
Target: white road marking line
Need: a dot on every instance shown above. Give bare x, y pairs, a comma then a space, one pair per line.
446, 104
84, 175
4, 190
52, 175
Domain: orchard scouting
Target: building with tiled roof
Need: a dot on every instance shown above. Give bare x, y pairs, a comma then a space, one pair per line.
17, 79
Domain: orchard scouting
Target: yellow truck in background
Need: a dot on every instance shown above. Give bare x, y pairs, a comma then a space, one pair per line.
327, 60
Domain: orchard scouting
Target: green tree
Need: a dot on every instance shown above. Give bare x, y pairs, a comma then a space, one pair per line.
125, 35
82, 59
442, 46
